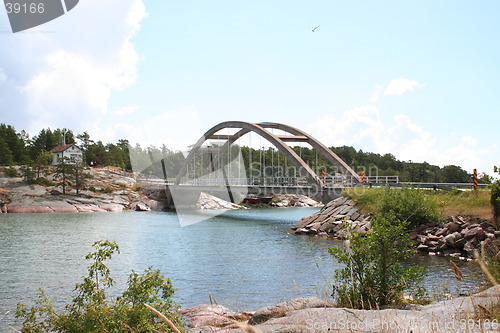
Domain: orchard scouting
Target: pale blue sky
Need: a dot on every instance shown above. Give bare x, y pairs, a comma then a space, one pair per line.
419, 79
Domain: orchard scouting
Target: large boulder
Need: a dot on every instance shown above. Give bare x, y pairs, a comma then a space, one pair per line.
452, 226
281, 309
112, 207
206, 317
141, 207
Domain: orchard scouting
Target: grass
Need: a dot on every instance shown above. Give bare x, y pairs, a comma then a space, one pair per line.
367, 199
450, 203
464, 203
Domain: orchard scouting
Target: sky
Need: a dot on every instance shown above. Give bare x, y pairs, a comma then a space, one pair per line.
417, 79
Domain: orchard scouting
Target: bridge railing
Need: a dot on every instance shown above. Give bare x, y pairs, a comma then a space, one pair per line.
336, 181
328, 181
382, 179
251, 181
348, 181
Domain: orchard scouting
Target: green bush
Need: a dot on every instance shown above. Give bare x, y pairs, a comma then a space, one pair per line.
409, 204
29, 174
89, 310
495, 202
45, 182
11, 172
375, 273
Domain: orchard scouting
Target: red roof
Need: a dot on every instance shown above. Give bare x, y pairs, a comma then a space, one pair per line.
59, 149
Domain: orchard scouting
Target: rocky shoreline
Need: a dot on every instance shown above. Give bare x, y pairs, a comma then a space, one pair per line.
334, 220
459, 237
107, 190
304, 315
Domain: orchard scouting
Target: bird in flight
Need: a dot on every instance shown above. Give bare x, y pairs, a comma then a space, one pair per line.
315, 28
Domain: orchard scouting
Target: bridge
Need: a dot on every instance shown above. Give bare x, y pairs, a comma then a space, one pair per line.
219, 164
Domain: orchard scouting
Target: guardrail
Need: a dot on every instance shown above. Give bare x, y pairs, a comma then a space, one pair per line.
451, 185
251, 181
328, 181
382, 179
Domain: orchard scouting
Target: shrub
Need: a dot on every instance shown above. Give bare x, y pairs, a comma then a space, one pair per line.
45, 182
375, 273
409, 204
495, 202
29, 174
89, 310
11, 172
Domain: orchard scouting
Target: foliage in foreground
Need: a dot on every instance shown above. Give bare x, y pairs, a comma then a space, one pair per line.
375, 274
495, 202
89, 310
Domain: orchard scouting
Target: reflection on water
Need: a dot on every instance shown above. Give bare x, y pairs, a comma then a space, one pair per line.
245, 259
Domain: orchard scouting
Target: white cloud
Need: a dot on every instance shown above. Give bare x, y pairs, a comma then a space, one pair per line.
363, 129
395, 87
376, 94
401, 85
66, 78
470, 154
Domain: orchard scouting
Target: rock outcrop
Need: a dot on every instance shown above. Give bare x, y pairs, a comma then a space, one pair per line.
460, 236
283, 309
105, 190
335, 220
456, 315
209, 202
211, 317
294, 200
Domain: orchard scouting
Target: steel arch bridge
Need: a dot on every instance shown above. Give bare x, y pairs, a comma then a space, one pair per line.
279, 141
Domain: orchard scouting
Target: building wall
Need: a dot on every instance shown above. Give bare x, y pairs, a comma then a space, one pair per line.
73, 153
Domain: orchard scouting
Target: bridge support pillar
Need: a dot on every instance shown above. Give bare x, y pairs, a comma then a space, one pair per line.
328, 194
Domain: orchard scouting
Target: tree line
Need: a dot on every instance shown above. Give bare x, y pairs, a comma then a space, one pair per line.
18, 148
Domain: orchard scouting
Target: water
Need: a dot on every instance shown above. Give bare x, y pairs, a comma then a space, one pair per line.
244, 259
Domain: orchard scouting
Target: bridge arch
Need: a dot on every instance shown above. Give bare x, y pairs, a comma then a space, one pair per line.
278, 141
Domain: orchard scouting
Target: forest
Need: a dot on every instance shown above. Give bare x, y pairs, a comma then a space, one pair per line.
18, 148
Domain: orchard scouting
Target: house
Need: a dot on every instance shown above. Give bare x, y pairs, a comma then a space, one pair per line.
69, 150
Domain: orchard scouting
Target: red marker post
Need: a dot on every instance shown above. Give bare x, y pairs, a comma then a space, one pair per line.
475, 180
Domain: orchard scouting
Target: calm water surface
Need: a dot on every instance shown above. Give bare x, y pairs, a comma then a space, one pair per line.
244, 259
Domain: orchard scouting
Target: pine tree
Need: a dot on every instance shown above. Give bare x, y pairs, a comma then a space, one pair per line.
6, 157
